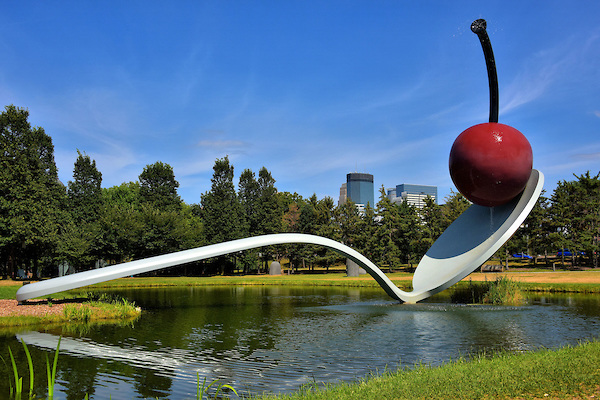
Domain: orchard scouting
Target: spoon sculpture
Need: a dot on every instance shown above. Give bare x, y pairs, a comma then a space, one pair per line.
504, 192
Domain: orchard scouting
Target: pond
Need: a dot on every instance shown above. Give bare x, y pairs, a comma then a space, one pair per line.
276, 339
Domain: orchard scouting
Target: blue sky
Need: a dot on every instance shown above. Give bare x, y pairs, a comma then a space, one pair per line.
311, 90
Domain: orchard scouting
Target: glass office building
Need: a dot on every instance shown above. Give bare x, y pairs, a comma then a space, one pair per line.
359, 188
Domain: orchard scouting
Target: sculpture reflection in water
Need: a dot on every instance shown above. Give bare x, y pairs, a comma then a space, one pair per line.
467, 243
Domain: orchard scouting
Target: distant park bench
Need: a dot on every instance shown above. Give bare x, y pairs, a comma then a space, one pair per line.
491, 268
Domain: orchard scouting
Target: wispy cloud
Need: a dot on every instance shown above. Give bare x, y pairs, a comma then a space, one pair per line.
222, 144
538, 73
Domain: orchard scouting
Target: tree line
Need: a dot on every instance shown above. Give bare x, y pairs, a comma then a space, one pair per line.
44, 223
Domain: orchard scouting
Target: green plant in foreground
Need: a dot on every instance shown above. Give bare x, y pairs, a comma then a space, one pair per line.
17, 390
52, 374
202, 390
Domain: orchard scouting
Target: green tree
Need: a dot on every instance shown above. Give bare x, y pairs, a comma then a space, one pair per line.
81, 226
248, 194
388, 214
222, 214
158, 186
269, 210
121, 222
432, 225
347, 221
31, 196
575, 216
85, 192
366, 235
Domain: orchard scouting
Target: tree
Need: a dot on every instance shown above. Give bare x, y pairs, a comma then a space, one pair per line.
248, 194
575, 216
366, 237
387, 232
121, 222
85, 192
159, 186
31, 196
346, 218
432, 225
269, 212
408, 234
222, 214
80, 227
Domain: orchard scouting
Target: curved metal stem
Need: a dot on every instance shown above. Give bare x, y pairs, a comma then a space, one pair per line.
479, 28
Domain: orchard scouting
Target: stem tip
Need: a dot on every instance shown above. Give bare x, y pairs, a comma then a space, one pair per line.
478, 26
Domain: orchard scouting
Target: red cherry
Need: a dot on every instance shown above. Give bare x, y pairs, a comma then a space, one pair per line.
490, 163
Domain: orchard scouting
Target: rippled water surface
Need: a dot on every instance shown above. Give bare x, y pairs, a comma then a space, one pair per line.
276, 339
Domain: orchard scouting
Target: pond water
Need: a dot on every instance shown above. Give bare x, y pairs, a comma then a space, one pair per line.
276, 339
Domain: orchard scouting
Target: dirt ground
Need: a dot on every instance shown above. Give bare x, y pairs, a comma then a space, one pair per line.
34, 308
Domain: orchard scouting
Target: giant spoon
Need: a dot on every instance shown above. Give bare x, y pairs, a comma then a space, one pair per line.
464, 246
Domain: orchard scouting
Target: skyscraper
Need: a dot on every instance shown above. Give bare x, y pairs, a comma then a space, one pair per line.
359, 188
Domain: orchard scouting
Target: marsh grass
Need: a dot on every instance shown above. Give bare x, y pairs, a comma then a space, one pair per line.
501, 291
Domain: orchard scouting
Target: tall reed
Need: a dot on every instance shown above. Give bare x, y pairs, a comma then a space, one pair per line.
16, 392
501, 291
51, 374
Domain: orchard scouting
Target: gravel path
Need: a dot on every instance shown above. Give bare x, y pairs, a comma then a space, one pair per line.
36, 308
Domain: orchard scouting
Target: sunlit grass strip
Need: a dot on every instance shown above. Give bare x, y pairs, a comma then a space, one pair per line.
330, 280
565, 373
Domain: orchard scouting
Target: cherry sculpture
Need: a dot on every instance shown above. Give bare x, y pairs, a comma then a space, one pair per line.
490, 163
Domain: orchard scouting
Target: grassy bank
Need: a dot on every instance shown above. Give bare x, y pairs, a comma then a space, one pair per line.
570, 372
90, 311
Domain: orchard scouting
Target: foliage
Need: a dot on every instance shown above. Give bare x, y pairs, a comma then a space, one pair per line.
31, 196
85, 192
158, 186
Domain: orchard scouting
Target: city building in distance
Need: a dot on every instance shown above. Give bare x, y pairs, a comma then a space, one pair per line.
359, 189
343, 194
413, 194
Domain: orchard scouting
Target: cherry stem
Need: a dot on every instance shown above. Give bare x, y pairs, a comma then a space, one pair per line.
478, 27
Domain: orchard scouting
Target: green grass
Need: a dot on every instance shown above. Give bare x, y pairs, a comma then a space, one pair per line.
565, 373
